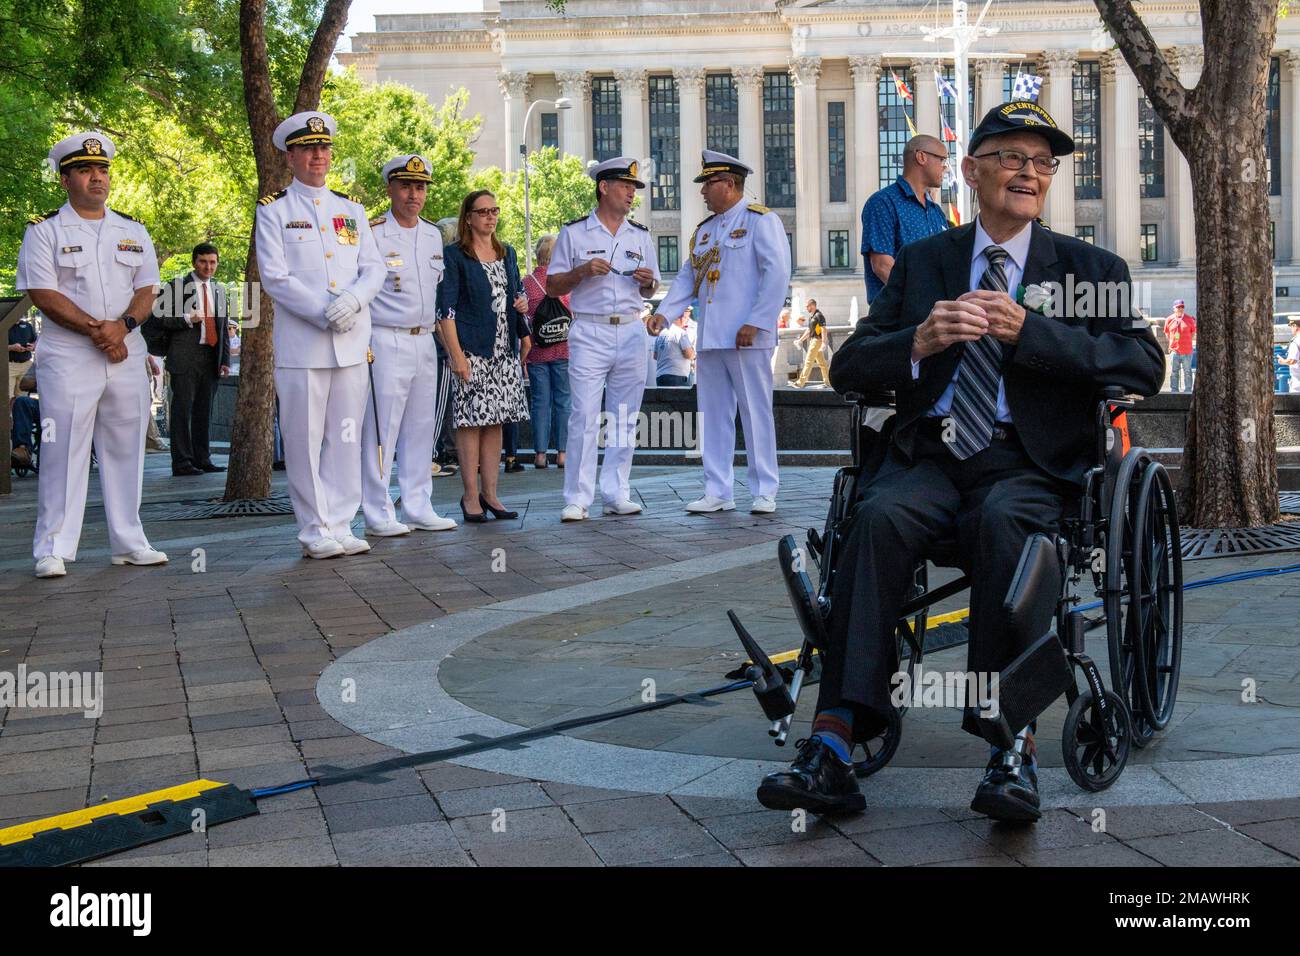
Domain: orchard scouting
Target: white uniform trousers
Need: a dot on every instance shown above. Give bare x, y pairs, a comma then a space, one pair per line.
612, 359
86, 398
406, 379
320, 424
725, 379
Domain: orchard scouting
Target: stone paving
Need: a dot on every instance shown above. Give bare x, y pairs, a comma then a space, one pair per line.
219, 674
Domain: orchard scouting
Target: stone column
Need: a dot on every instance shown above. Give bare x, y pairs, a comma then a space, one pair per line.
866, 137
926, 97
690, 104
514, 87
990, 73
631, 91
1059, 80
1186, 61
1291, 63
1120, 189
809, 128
573, 130
749, 116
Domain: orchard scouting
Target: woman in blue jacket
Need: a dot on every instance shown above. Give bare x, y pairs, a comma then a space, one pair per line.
481, 309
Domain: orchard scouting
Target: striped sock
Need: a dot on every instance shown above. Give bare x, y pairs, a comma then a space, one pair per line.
834, 728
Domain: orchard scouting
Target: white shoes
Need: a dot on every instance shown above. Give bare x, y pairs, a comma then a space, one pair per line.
353, 545
709, 503
389, 529
573, 513
322, 548
50, 567
143, 557
763, 505
624, 506
436, 523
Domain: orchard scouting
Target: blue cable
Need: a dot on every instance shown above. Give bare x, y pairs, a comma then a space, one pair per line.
1221, 579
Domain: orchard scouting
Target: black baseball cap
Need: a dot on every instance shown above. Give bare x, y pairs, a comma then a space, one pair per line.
1021, 115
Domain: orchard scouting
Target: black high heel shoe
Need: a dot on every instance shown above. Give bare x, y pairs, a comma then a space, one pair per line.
479, 518
497, 512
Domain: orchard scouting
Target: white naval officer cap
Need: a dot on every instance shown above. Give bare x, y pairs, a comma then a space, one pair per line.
81, 149
622, 168
304, 129
715, 162
409, 166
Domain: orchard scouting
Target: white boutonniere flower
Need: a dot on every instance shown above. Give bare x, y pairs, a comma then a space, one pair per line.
1035, 297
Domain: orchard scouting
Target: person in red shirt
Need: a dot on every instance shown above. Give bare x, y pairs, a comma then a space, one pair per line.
548, 370
1180, 331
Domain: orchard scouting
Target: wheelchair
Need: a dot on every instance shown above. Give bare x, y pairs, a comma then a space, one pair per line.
1121, 544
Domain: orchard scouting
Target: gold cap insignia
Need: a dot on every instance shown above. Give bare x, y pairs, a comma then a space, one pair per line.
316, 124
415, 164
93, 147
631, 169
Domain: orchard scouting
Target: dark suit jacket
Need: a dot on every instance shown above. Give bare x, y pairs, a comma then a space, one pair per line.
1053, 375
184, 354
466, 295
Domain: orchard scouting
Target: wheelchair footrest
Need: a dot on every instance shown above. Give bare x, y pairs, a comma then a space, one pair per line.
1027, 687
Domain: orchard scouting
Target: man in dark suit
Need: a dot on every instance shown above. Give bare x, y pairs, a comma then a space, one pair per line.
994, 429
198, 354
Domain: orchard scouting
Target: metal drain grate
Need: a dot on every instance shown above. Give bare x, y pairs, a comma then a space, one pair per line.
1198, 543
215, 508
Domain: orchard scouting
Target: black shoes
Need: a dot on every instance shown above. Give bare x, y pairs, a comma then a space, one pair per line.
817, 781
479, 518
513, 465
210, 468
498, 512
1004, 794
186, 471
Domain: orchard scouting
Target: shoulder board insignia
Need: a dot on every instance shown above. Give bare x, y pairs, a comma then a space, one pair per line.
574, 222
638, 225
429, 221
267, 200
758, 208
43, 216
378, 220
125, 216
703, 221
346, 196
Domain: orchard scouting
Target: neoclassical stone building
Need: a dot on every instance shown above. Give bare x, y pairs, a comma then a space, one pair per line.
804, 91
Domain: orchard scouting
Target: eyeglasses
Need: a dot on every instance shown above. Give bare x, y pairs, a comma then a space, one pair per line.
716, 180
488, 211
935, 155
1014, 159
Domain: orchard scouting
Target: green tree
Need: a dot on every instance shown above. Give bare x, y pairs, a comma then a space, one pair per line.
559, 190
379, 122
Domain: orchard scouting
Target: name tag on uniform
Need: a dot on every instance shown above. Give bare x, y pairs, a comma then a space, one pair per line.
298, 224
594, 252
739, 233
72, 248
345, 230
393, 263
127, 246
435, 258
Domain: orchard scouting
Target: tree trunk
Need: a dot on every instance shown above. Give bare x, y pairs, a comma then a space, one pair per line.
252, 432
1229, 468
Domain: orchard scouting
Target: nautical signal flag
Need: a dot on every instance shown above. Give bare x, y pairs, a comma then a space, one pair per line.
900, 86
1026, 87
909, 122
944, 87
954, 216
948, 135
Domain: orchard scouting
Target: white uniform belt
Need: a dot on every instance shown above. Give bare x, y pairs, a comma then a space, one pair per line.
606, 318
417, 330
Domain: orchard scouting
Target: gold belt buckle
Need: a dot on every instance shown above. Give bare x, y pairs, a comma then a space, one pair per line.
615, 319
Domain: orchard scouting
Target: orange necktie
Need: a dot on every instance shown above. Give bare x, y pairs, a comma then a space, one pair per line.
209, 324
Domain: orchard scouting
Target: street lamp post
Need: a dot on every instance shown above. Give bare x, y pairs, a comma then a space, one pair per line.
563, 103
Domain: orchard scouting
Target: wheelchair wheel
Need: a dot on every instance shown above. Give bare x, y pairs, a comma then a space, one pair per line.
1157, 594
880, 750
1095, 745
1124, 562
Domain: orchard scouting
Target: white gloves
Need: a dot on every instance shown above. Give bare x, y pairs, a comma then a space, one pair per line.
342, 312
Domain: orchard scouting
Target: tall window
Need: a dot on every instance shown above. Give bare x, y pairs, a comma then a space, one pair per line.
1150, 252
949, 192
665, 143
1086, 233
1087, 130
1273, 129
835, 155
551, 130
778, 140
837, 241
721, 114
606, 118
1009, 75
668, 260
894, 133
1151, 149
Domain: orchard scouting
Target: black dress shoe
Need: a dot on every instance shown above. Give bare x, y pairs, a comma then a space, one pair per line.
479, 518
817, 781
513, 465
186, 471
1006, 795
497, 512
210, 468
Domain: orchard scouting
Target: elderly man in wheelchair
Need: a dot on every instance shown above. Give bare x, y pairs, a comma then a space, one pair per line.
992, 446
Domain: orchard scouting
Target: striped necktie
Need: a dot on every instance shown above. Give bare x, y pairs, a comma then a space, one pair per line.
975, 399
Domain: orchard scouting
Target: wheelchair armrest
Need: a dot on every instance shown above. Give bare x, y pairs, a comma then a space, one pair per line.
1035, 590
877, 398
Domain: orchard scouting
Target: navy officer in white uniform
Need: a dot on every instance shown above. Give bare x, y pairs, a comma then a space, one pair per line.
739, 271
319, 263
607, 265
92, 272
405, 367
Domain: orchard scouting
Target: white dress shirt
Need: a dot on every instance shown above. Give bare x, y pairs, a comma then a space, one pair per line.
632, 247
